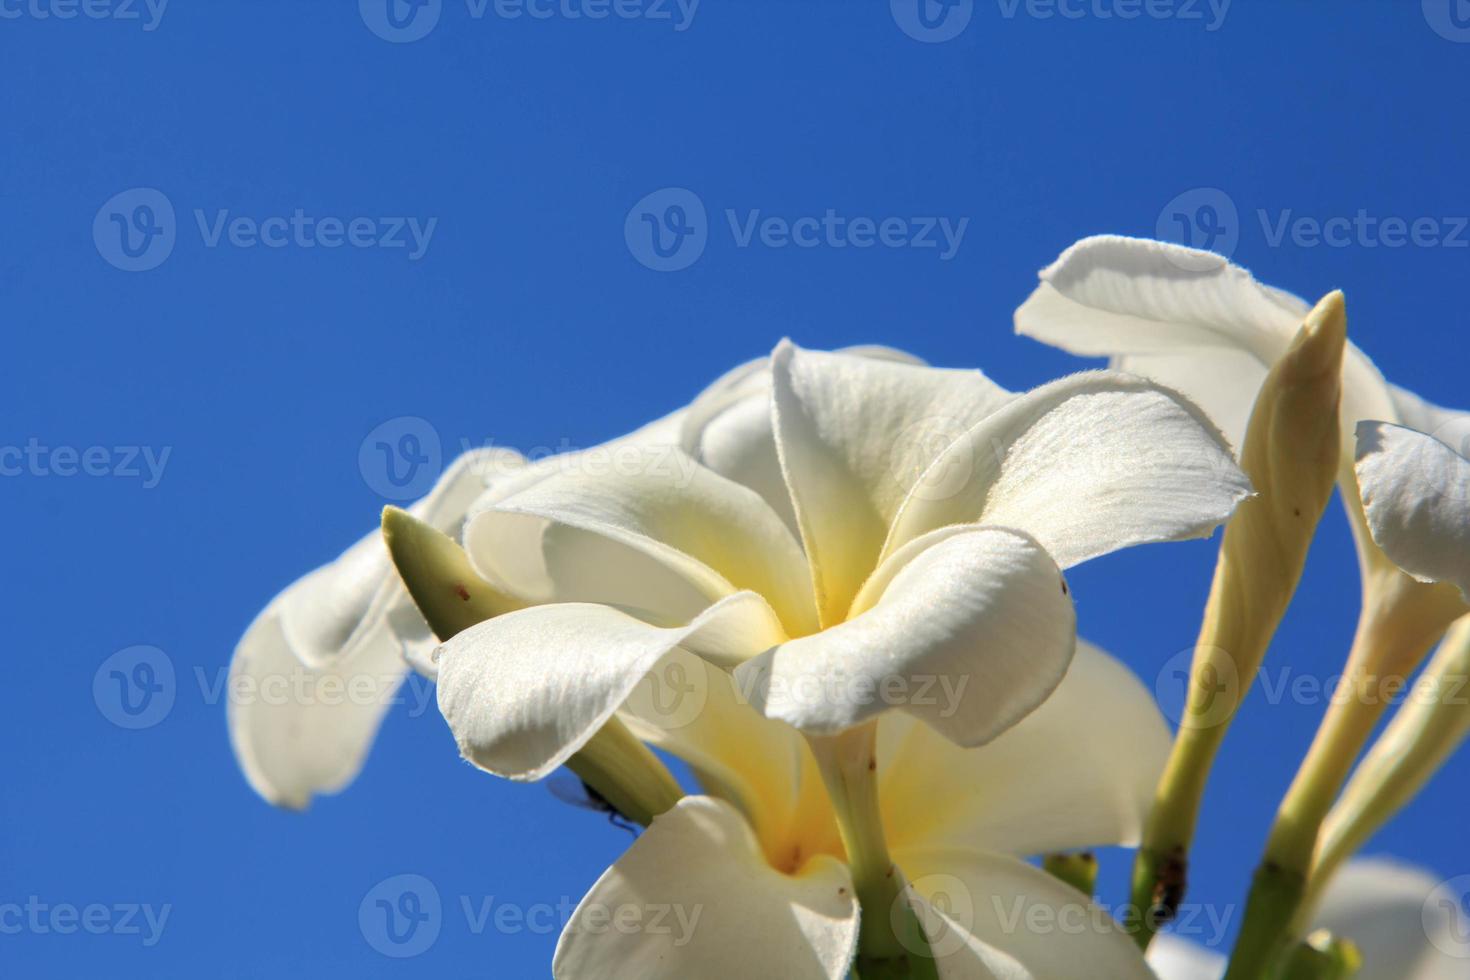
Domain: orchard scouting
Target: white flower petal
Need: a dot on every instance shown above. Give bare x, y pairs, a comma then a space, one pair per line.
694, 898
709, 532
728, 428
969, 636
1087, 464
1222, 382
299, 730
994, 902
1111, 296
351, 623
692, 709
1173, 958
1416, 495
328, 612
524, 691
853, 435
1078, 772
1404, 924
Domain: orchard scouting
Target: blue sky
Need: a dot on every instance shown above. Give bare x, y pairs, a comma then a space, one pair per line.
445, 228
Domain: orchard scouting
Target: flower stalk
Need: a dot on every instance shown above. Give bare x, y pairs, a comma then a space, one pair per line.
891, 941
452, 598
1291, 454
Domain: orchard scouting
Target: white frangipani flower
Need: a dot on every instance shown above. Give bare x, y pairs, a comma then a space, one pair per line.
1416, 496
1405, 923
918, 558
318, 667
349, 626
757, 873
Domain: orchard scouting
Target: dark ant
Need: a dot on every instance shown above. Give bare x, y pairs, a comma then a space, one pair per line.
577, 793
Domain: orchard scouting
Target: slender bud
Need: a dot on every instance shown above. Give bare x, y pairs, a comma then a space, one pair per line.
452, 598
437, 574
1427, 729
1291, 454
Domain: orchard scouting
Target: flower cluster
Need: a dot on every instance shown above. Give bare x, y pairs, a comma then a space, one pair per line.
834, 586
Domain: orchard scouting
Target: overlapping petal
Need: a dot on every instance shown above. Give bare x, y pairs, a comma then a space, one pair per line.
990, 915
694, 897
982, 614
712, 537
1087, 464
347, 628
1111, 296
1416, 495
524, 691
853, 435
1405, 925
1078, 772
728, 427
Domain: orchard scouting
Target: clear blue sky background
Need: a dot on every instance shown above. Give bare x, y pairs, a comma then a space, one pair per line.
528, 321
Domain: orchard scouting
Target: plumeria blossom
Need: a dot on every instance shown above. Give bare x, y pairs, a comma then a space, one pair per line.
1416, 496
756, 872
350, 626
316, 670
1406, 925
933, 512
1193, 320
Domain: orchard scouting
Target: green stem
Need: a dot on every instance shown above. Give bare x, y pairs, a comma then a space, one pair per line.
891, 941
